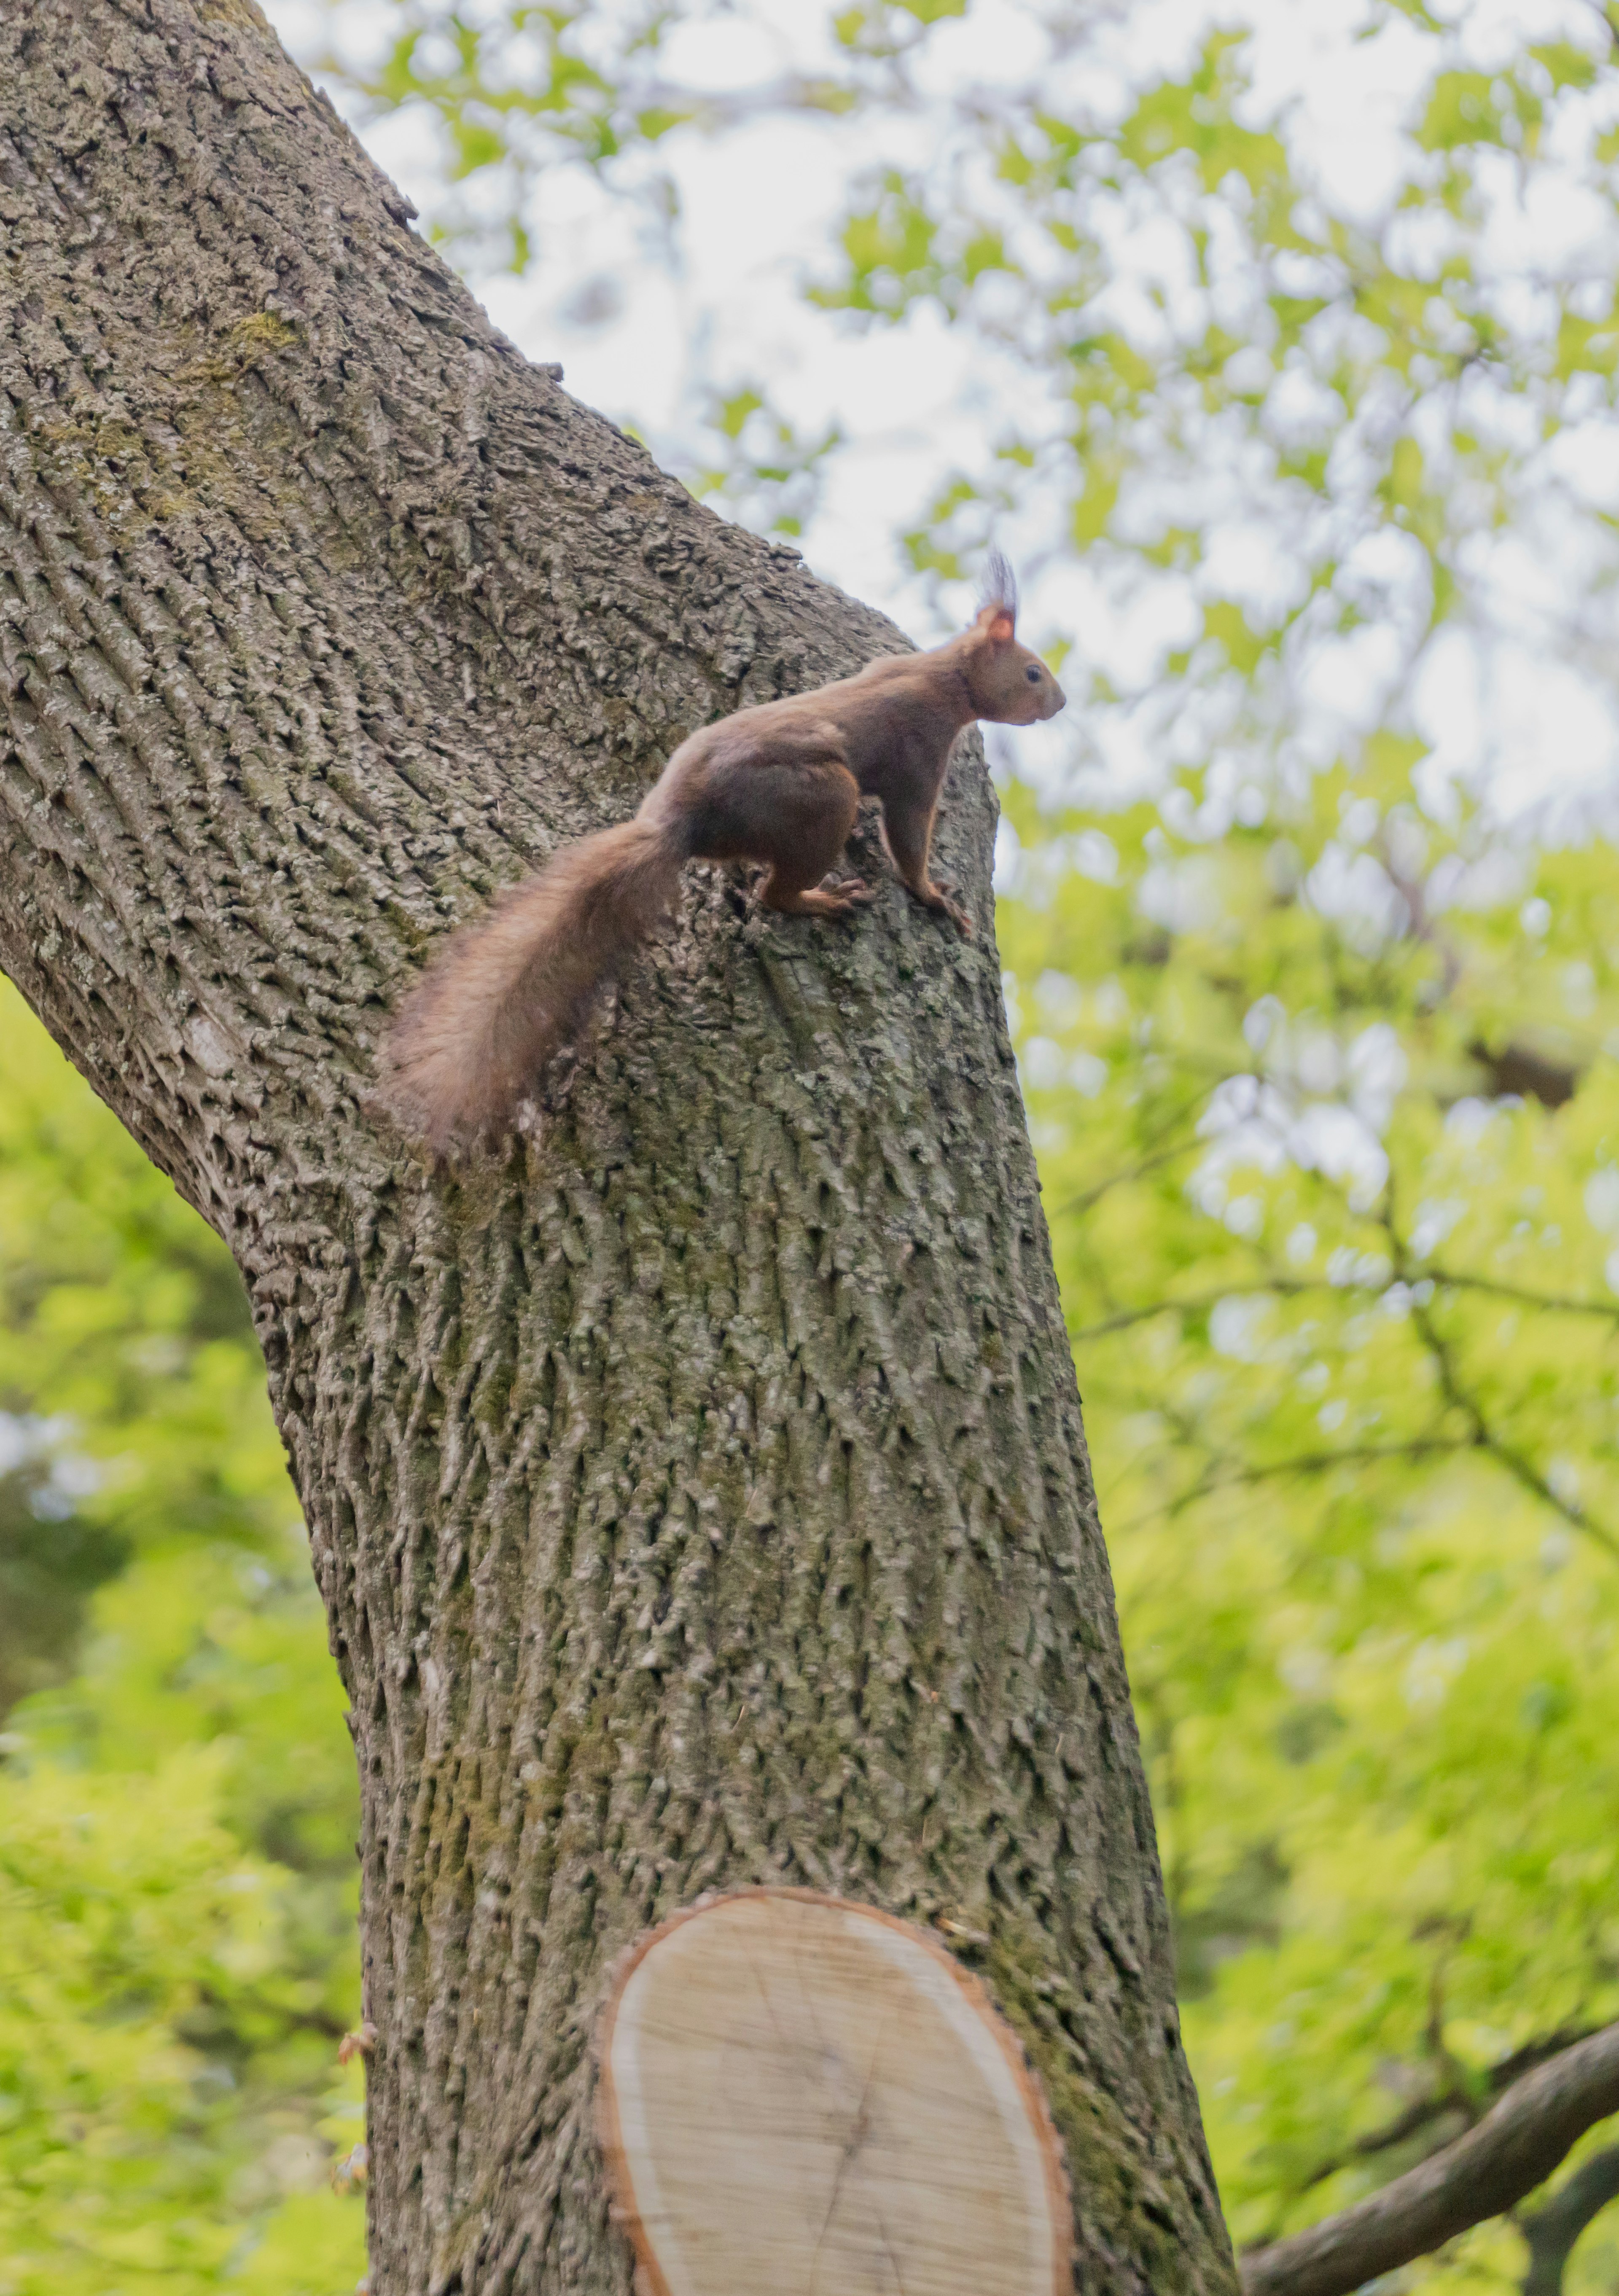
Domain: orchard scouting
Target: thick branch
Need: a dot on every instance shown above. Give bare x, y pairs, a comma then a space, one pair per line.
1515, 2147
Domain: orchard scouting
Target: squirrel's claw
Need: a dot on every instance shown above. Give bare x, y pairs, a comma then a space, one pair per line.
939, 896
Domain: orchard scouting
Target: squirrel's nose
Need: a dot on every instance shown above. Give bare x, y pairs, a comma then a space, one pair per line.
1059, 701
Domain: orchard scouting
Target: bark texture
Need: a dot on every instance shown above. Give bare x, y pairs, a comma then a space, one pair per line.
698, 1495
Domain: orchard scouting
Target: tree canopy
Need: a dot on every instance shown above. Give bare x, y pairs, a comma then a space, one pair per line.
1314, 469
178, 1799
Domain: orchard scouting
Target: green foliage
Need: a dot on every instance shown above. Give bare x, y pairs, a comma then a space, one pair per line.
177, 1819
158, 2033
518, 90
885, 27
1346, 1320
763, 467
131, 1388
1365, 381
51, 1562
1321, 1063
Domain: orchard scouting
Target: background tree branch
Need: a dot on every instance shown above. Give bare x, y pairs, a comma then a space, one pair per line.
1552, 2231
1514, 2148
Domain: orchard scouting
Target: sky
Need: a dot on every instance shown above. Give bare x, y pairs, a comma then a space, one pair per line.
644, 317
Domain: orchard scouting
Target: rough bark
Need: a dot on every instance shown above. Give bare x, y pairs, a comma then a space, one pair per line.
698, 1496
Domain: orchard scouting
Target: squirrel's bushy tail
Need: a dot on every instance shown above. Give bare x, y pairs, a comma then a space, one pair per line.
506, 993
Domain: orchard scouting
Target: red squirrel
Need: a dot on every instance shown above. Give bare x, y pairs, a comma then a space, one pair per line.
780, 784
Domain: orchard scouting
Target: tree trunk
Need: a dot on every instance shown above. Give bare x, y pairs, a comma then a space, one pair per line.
698, 1496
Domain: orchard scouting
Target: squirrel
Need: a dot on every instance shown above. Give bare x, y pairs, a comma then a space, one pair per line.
779, 784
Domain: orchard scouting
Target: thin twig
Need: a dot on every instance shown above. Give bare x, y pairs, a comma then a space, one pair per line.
1292, 1287
1424, 2111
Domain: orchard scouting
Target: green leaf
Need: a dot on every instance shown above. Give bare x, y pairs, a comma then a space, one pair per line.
1461, 109
1569, 67
1229, 626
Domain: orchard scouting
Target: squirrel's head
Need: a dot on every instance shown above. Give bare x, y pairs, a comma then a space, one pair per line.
1008, 683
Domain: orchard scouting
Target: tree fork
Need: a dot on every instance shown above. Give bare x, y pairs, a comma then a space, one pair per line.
698, 1496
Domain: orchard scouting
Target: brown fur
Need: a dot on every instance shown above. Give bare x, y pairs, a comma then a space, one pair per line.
779, 785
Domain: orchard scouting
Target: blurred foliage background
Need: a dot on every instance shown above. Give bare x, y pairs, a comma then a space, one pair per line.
177, 1800
1310, 924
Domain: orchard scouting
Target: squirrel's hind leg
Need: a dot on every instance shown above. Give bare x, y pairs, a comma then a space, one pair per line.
804, 813
814, 900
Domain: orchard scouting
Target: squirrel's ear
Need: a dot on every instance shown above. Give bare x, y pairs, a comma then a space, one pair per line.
999, 623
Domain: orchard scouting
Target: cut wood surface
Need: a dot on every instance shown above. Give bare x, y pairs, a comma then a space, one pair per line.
807, 2096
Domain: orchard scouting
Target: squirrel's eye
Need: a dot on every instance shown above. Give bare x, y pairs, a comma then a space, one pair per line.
1032, 675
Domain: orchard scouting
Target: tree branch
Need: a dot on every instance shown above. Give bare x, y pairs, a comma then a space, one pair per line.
1421, 2114
1292, 1287
1317, 1463
1202, 1303
1552, 2231
1445, 1279
1522, 1470
1514, 2148
1089, 1198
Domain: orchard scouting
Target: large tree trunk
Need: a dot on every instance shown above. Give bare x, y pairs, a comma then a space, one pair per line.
699, 1498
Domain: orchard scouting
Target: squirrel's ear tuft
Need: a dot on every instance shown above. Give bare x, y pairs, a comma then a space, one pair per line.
999, 587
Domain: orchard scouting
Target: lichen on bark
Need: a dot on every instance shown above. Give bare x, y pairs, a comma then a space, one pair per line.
698, 1492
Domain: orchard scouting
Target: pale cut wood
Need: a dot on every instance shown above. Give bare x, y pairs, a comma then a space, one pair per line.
806, 2097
